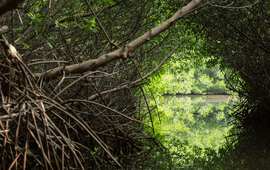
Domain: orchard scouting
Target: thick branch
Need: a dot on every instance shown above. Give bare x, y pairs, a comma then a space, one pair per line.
123, 52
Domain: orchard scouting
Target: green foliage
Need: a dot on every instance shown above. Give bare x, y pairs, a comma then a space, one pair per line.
192, 130
26, 45
91, 25
194, 81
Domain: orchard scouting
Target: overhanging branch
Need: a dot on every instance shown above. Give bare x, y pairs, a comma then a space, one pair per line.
123, 52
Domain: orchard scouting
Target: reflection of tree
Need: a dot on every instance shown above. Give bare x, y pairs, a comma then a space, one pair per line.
201, 122
71, 90
238, 32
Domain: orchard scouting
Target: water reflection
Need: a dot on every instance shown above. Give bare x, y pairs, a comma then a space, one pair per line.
200, 121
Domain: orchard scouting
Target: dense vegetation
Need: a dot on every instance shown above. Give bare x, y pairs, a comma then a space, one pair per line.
191, 129
238, 33
235, 36
200, 80
82, 84
72, 77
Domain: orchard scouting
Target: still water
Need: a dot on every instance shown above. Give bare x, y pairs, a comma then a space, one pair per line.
206, 98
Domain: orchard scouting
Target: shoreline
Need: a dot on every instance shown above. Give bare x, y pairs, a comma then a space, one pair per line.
207, 98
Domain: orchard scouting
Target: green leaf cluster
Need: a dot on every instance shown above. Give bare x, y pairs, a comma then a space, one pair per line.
202, 80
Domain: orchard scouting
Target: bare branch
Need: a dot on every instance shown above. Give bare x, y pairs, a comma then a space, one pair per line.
123, 52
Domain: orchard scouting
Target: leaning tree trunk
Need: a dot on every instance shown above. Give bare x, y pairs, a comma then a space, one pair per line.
57, 113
